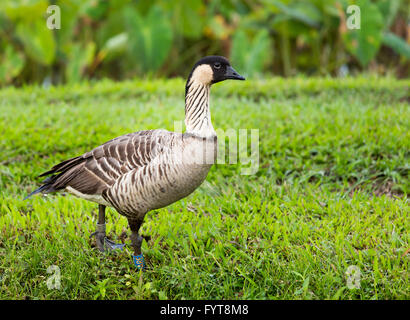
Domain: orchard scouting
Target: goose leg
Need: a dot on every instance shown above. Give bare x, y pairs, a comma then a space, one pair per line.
100, 236
136, 242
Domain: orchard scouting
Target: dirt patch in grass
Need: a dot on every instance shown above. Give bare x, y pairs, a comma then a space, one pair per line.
405, 99
387, 189
378, 189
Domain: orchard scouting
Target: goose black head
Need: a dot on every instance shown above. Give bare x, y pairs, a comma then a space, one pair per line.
213, 69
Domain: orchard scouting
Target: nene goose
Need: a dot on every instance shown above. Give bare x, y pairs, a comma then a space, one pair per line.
147, 170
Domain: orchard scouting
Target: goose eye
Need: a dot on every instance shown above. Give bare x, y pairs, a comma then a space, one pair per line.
217, 65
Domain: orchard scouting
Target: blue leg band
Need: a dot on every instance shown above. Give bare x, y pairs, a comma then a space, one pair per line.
139, 261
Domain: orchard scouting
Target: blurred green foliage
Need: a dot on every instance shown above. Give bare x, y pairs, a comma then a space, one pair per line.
125, 38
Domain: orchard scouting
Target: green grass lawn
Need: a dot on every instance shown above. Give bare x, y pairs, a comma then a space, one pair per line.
331, 192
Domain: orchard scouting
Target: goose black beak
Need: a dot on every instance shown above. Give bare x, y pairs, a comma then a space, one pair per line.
232, 74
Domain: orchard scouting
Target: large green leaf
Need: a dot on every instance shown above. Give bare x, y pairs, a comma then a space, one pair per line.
111, 26
150, 38
397, 44
96, 9
249, 56
79, 58
24, 10
114, 46
303, 12
187, 17
116, 43
69, 10
389, 9
38, 41
364, 43
11, 64
296, 18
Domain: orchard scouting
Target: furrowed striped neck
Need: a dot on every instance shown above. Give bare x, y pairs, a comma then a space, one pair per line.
197, 113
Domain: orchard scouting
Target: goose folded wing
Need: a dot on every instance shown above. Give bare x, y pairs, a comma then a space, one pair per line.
98, 169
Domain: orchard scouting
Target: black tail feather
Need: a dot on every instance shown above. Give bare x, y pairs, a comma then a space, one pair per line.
63, 166
43, 188
48, 185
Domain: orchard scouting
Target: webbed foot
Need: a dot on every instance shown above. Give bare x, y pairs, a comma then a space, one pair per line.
102, 242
